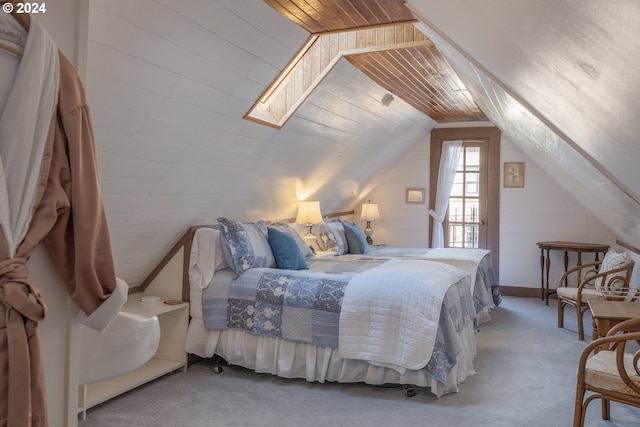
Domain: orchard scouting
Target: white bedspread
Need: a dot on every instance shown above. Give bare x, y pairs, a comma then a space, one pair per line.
466, 259
390, 313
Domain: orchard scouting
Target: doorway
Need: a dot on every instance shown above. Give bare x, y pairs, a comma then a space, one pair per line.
473, 216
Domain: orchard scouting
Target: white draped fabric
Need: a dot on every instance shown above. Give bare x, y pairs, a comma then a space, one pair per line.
451, 151
24, 124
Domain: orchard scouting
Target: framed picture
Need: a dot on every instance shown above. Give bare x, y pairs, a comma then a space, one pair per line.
415, 195
514, 174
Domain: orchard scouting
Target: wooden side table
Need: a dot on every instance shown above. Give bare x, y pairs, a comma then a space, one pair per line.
567, 247
607, 314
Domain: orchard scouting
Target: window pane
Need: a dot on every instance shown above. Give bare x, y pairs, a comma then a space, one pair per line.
460, 166
455, 210
472, 184
471, 236
456, 190
473, 159
471, 210
455, 236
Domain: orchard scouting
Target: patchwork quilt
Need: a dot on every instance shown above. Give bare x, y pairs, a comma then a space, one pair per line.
305, 306
298, 305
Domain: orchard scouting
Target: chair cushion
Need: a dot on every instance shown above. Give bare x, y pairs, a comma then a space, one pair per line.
572, 293
601, 372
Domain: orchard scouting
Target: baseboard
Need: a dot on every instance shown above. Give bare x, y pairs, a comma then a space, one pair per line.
515, 291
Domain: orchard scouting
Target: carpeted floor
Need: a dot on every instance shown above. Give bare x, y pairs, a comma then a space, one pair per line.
525, 378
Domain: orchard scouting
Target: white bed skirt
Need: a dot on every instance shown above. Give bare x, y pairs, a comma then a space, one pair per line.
298, 360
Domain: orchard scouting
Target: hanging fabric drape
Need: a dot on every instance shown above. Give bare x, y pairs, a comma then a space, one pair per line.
49, 192
25, 119
449, 158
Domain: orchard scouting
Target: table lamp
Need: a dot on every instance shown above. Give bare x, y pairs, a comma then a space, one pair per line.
369, 213
309, 214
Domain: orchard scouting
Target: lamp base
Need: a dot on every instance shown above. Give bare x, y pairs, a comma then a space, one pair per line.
309, 238
368, 231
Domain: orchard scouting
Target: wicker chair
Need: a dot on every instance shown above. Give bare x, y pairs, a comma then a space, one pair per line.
614, 284
609, 374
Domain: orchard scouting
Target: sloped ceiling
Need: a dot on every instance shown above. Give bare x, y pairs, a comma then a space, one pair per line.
168, 84
366, 33
561, 78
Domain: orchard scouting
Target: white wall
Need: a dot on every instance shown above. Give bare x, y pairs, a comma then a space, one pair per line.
168, 85
402, 224
542, 210
66, 23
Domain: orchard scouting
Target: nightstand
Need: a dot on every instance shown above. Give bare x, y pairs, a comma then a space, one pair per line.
170, 356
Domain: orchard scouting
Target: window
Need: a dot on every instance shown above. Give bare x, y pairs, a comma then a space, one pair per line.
463, 215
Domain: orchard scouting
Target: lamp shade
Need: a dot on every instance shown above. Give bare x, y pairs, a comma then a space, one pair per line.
309, 212
369, 212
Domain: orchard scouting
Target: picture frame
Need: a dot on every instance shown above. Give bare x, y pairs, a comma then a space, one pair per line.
513, 174
415, 196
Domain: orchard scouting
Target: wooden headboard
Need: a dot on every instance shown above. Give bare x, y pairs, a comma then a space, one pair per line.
173, 269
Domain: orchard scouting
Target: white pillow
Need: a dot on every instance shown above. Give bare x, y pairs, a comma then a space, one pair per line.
611, 261
206, 257
331, 237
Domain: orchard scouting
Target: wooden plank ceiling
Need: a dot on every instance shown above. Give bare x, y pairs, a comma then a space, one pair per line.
378, 38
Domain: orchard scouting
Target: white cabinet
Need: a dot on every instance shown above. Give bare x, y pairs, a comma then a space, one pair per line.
169, 357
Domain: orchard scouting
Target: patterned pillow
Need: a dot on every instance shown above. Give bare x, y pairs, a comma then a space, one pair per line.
611, 261
331, 237
286, 250
245, 245
356, 239
287, 228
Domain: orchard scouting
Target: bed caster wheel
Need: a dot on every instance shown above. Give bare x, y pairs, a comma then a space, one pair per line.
217, 369
409, 392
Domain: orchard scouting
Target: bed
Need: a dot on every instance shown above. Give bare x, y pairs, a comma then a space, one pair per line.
323, 322
476, 262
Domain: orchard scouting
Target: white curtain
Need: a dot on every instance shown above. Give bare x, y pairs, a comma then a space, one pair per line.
449, 158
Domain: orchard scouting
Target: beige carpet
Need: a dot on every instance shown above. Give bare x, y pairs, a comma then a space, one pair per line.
526, 377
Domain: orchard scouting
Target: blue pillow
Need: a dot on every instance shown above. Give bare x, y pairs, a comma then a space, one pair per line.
286, 250
356, 240
287, 228
244, 245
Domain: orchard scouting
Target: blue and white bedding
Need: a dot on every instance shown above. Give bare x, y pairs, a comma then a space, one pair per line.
288, 322
299, 305
476, 262
305, 306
